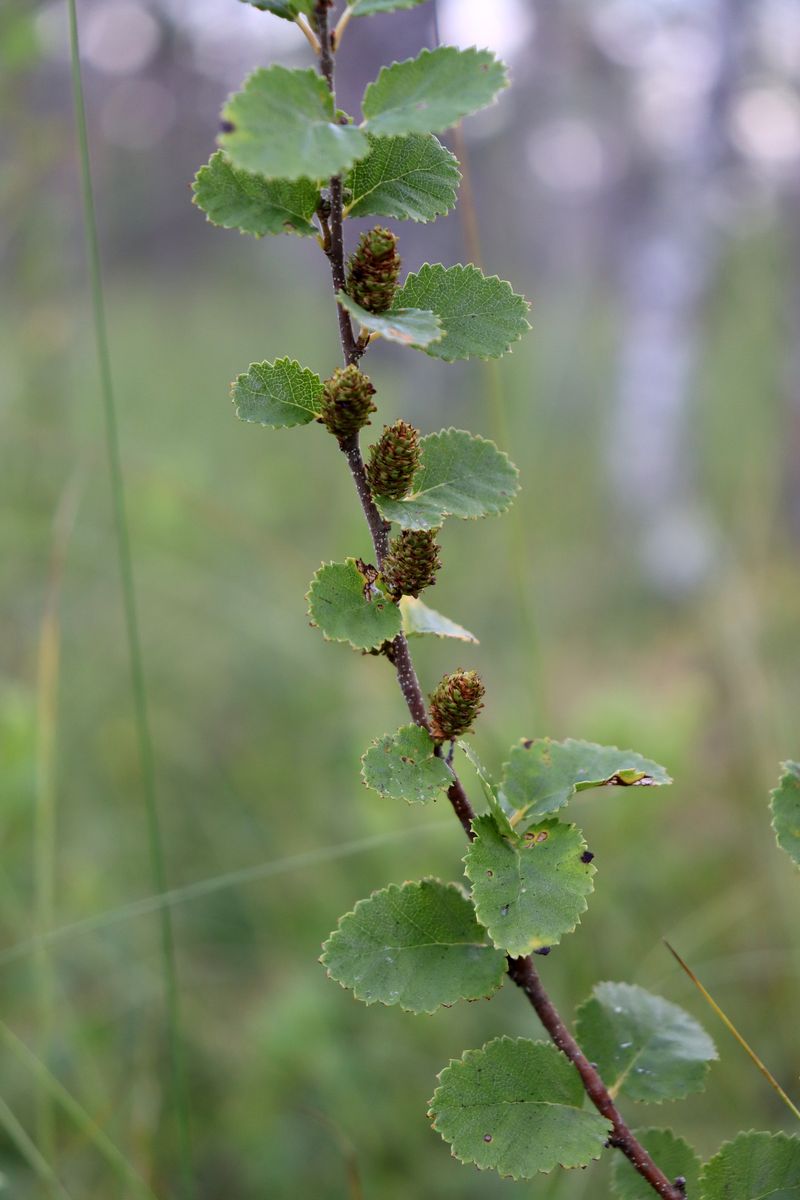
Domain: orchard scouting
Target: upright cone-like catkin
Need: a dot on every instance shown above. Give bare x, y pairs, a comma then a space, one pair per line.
393, 461
373, 270
412, 562
346, 402
455, 704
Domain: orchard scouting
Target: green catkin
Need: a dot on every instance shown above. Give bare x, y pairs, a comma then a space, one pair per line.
455, 704
393, 461
412, 562
346, 402
373, 270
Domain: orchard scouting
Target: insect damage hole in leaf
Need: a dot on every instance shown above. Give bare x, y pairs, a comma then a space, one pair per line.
402, 766
347, 608
418, 946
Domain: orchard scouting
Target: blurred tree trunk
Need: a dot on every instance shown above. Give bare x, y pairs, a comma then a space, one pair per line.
673, 245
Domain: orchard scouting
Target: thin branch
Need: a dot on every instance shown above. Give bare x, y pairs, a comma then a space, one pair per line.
520, 970
308, 32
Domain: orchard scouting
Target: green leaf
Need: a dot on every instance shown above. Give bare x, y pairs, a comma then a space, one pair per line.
402, 765
645, 1047
238, 200
407, 326
754, 1166
673, 1155
481, 314
460, 475
516, 1107
348, 609
432, 91
418, 946
419, 621
528, 893
785, 804
288, 9
365, 8
410, 178
489, 791
279, 394
541, 776
284, 127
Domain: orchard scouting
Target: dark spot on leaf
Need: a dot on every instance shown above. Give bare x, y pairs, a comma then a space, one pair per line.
226, 127
527, 743
587, 856
490, 873
504, 911
487, 1137
543, 950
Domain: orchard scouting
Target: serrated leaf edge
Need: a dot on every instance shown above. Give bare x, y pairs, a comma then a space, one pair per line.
311, 232
342, 641
789, 767
426, 53
376, 744
475, 437
398, 887
440, 212
471, 1161
779, 1136
490, 278
706, 1064
285, 361
592, 871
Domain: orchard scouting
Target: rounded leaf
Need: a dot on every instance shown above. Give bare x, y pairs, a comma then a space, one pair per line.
409, 178
460, 475
347, 608
282, 125
481, 314
517, 1107
419, 620
279, 394
542, 776
418, 946
785, 804
402, 765
645, 1047
754, 1166
236, 199
674, 1156
433, 91
528, 892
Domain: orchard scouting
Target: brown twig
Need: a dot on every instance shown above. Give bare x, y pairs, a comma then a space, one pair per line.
520, 970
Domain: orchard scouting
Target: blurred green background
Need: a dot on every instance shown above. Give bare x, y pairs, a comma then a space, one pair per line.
644, 591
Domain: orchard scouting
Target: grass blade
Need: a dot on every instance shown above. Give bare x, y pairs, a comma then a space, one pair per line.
177, 1076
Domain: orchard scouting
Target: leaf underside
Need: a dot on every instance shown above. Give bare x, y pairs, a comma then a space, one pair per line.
646, 1048
339, 606
406, 326
761, 1165
279, 394
284, 127
542, 776
418, 946
516, 1107
528, 893
402, 766
481, 314
460, 475
235, 199
409, 178
420, 621
433, 91
674, 1156
785, 805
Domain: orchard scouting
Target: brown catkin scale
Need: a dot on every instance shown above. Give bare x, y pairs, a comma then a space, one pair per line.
346, 402
412, 562
393, 461
455, 704
373, 270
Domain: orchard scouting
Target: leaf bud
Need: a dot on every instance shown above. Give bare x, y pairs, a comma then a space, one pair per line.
393, 461
455, 704
346, 402
412, 562
373, 270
